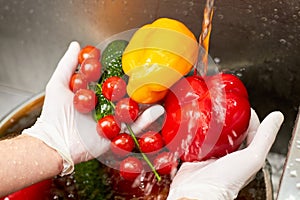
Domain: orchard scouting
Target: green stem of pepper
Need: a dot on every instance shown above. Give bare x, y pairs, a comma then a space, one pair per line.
144, 155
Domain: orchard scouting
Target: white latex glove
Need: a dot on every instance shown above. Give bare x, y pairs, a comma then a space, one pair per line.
223, 178
72, 134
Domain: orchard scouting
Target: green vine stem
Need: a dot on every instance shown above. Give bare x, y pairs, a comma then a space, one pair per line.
144, 155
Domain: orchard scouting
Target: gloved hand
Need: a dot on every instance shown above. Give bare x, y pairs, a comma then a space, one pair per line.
72, 134
223, 178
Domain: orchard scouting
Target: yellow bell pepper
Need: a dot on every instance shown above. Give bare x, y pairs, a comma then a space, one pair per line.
157, 56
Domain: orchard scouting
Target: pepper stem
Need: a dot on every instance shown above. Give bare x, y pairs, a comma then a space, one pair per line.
144, 155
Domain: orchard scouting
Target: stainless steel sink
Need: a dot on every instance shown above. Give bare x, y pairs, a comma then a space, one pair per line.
257, 40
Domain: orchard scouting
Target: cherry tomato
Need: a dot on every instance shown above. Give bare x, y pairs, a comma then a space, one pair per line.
91, 68
165, 163
88, 52
150, 142
126, 110
122, 144
40, 190
131, 168
108, 127
78, 81
114, 88
85, 100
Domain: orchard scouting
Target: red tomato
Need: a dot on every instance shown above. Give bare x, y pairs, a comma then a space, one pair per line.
122, 144
40, 190
91, 68
150, 142
78, 81
85, 100
114, 88
88, 52
165, 163
108, 127
197, 130
131, 168
126, 110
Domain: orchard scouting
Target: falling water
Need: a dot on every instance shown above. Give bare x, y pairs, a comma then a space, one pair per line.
205, 36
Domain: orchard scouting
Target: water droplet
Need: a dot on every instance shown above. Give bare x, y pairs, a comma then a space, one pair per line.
298, 185
276, 17
6, 7
273, 21
217, 60
264, 19
191, 3
293, 173
31, 11
248, 11
230, 140
282, 41
220, 16
297, 159
261, 36
295, 16
291, 37
185, 13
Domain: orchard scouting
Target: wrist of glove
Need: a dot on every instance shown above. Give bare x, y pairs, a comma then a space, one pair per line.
72, 134
223, 178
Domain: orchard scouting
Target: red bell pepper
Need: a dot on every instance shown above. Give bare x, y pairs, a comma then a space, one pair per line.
40, 190
206, 117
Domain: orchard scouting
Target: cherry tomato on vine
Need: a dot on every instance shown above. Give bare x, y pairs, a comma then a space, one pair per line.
85, 100
126, 110
108, 127
91, 68
88, 52
122, 144
78, 81
165, 162
131, 168
150, 142
114, 88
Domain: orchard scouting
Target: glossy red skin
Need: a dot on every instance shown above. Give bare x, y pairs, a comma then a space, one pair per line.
78, 81
193, 129
85, 100
151, 142
40, 190
126, 110
131, 168
165, 163
88, 52
114, 88
91, 68
122, 144
108, 127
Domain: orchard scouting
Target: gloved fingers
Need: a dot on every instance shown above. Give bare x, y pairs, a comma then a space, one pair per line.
266, 133
252, 157
94, 144
66, 65
187, 169
149, 116
253, 126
